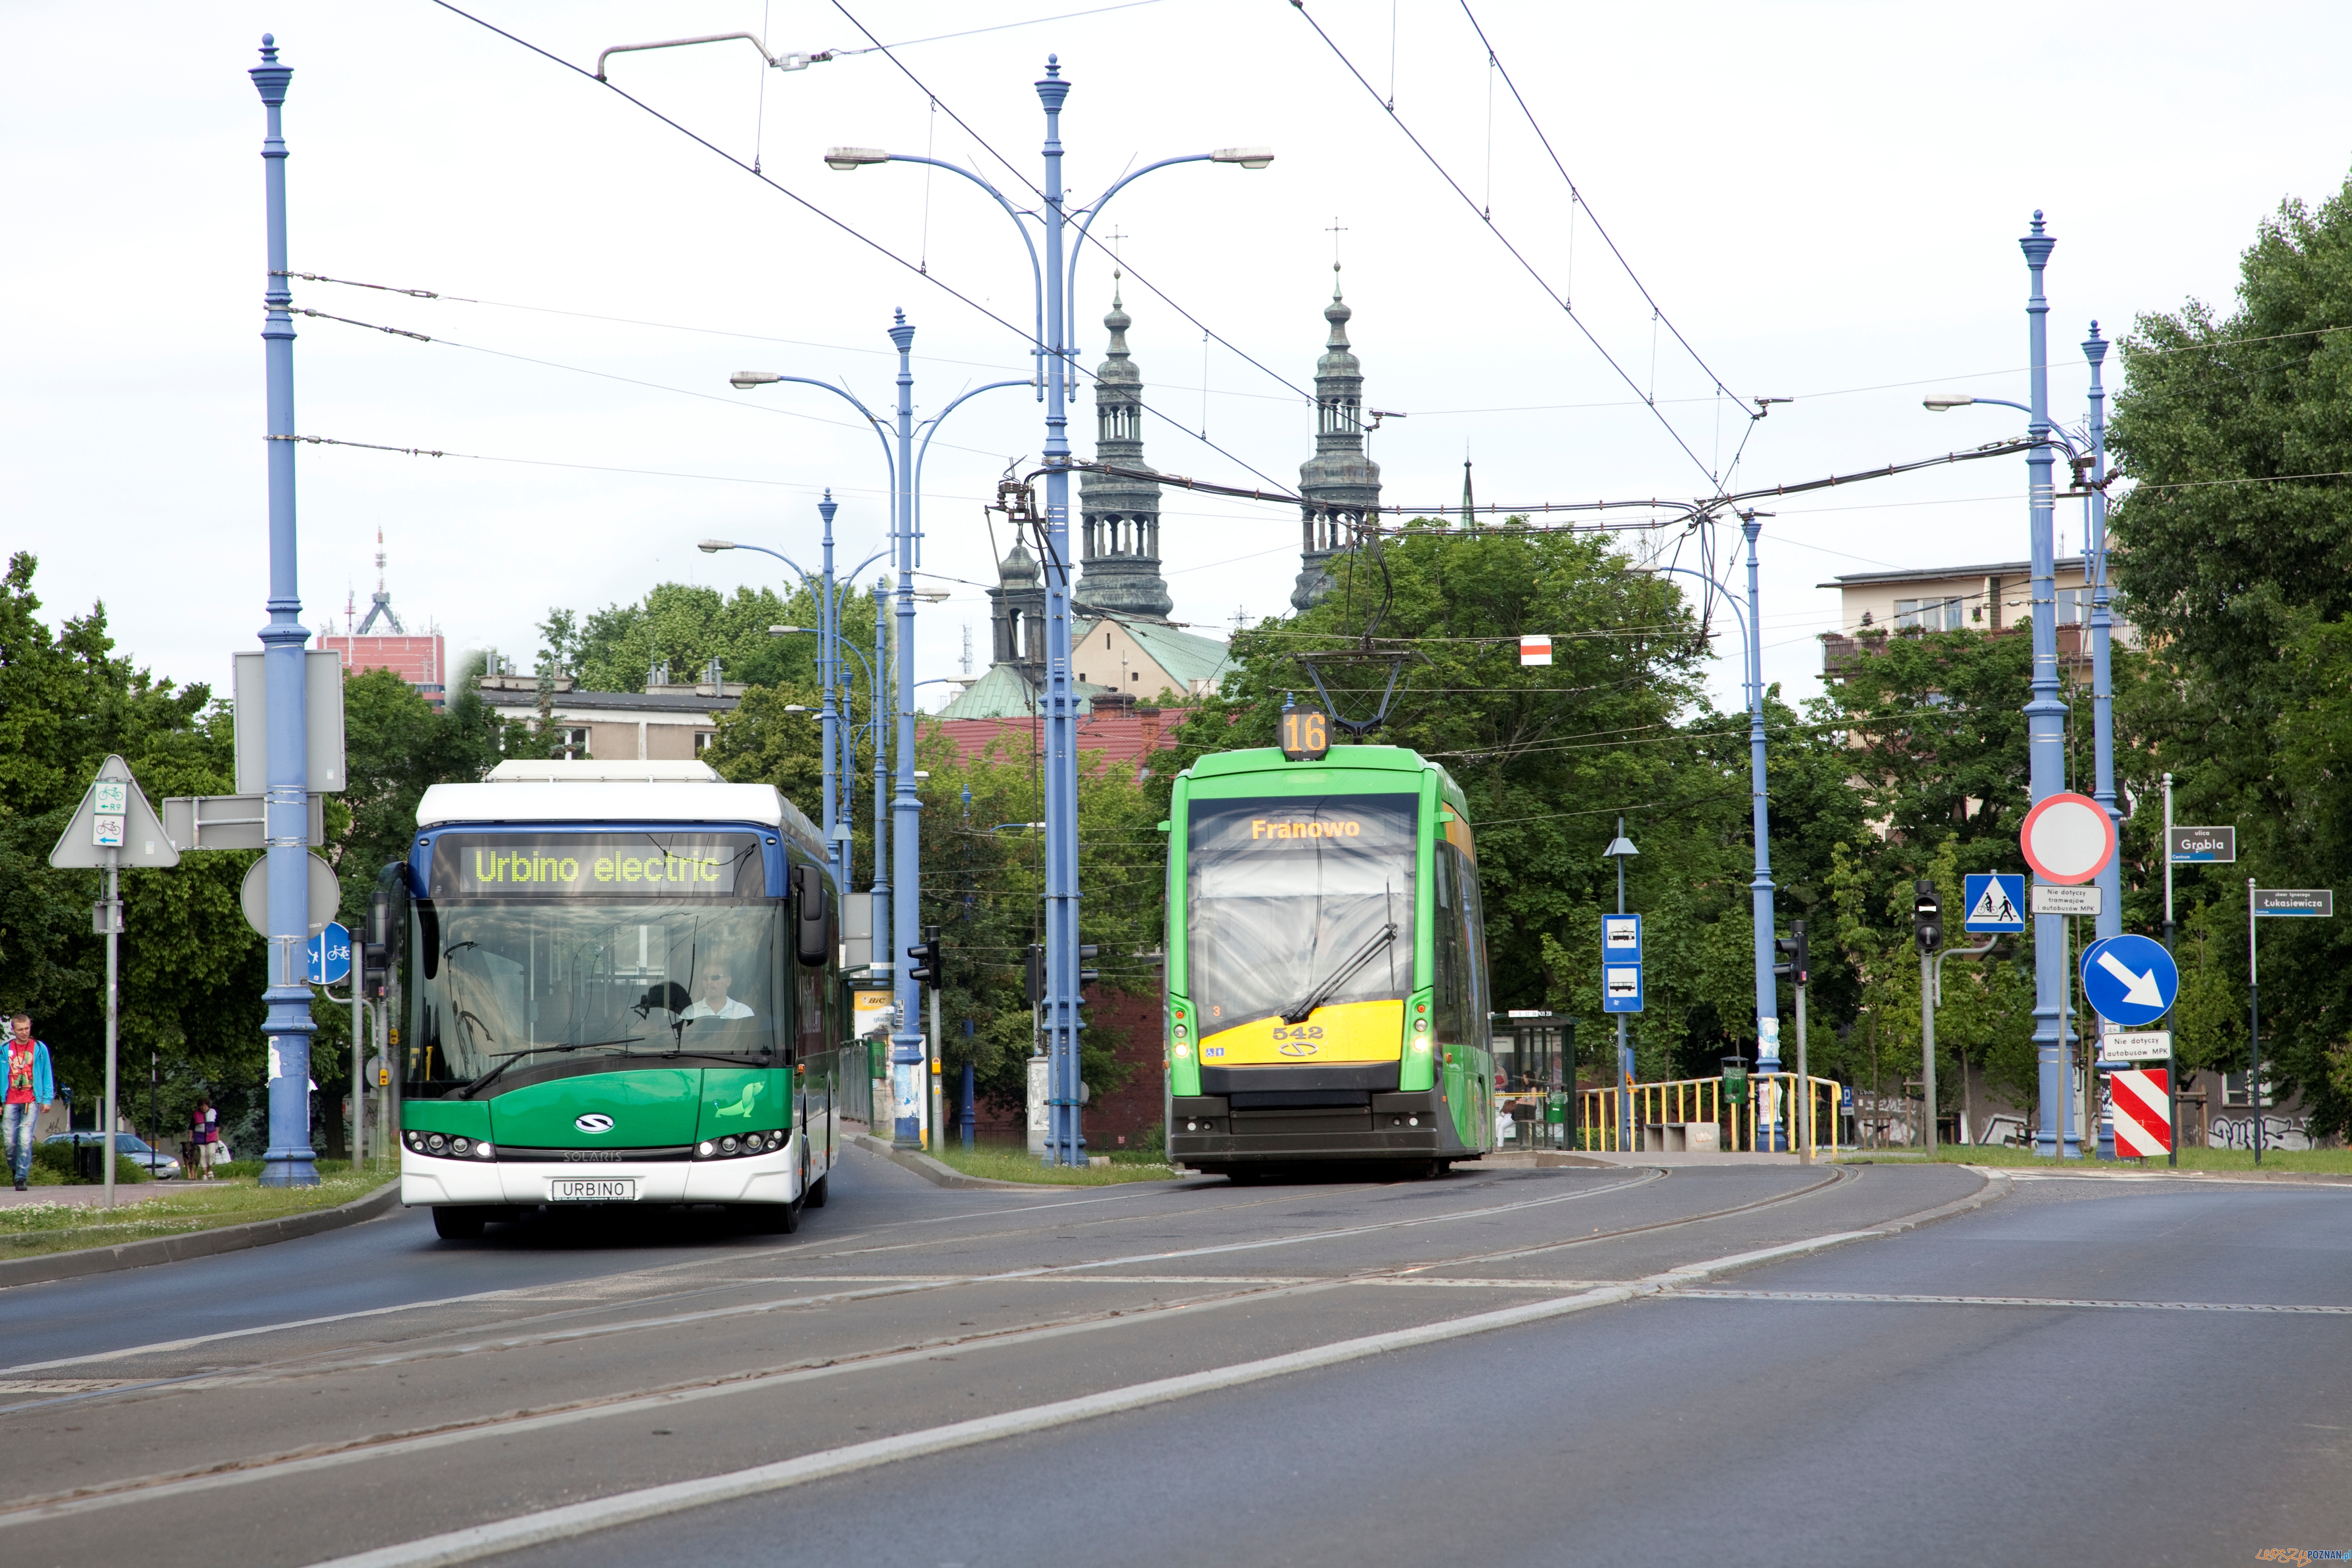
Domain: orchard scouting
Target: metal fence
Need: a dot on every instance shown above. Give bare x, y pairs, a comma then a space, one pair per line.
1780, 1112
858, 1081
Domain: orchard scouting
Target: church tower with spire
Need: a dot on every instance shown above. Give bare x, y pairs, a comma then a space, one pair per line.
1340, 484
1119, 549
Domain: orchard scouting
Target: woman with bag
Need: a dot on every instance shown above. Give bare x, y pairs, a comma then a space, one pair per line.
205, 1130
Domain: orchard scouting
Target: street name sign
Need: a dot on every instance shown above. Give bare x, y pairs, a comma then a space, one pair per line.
2136, 1045
2143, 1102
1621, 938
1621, 988
2129, 980
129, 832
2068, 838
2204, 846
2303, 902
2049, 900
1995, 900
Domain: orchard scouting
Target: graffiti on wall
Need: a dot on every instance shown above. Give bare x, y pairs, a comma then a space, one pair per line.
2278, 1132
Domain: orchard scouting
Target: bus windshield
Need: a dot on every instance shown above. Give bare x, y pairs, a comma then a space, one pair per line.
1297, 903
502, 987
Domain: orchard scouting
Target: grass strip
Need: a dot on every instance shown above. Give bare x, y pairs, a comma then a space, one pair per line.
174, 1208
1000, 1164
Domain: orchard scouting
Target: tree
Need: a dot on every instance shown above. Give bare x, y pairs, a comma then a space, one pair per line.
684, 627
1548, 756
2233, 549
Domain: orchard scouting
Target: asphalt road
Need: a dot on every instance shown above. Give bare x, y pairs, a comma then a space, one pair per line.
1551, 1366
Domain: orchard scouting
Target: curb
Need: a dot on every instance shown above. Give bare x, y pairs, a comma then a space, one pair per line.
937, 1173
197, 1243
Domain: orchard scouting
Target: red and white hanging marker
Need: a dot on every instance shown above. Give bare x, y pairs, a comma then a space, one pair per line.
2143, 1117
2068, 838
1535, 650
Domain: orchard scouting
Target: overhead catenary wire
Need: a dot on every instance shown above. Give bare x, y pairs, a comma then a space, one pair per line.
1555, 294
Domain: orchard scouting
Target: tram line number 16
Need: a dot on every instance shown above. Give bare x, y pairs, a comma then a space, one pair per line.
1306, 734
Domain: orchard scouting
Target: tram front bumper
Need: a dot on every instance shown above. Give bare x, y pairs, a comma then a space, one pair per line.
1212, 1129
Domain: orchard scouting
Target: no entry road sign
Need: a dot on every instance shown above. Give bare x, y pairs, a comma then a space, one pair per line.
2143, 1111
1996, 902
2068, 838
2129, 980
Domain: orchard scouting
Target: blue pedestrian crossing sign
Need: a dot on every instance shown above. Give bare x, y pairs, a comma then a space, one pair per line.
330, 954
1996, 902
1621, 988
2129, 980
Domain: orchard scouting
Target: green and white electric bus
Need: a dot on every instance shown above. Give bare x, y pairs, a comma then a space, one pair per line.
1326, 992
622, 990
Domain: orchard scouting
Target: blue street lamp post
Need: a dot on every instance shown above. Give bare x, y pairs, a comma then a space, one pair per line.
832, 725
289, 1160
2046, 712
1768, 986
1065, 1144
2109, 921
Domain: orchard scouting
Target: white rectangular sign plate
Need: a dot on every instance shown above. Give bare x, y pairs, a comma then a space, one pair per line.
602, 1190
2051, 899
2136, 1045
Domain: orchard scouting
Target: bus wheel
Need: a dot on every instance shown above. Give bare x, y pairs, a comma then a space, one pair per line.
776, 1218
817, 1193
457, 1224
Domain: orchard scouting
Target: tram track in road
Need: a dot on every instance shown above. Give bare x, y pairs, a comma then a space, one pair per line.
1250, 1289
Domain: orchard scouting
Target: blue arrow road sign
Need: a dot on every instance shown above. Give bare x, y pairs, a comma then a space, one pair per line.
2129, 980
1996, 902
1621, 988
330, 954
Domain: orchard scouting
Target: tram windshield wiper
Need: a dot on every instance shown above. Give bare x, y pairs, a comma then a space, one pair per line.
1342, 975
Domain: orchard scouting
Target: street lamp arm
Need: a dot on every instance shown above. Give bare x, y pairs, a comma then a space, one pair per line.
931, 428
1718, 587
1036, 273
1093, 211
881, 431
805, 575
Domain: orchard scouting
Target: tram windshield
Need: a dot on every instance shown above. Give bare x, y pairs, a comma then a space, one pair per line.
550, 972
1297, 903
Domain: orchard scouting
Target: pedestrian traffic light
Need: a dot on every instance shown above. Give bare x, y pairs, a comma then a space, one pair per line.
1792, 965
926, 955
1927, 916
1036, 974
1086, 951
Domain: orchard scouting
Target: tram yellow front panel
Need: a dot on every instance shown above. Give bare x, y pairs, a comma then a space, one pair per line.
1344, 1031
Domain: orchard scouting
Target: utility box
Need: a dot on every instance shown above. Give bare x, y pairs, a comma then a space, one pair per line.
1040, 1114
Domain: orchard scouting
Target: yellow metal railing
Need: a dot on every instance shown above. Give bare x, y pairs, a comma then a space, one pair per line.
1794, 1115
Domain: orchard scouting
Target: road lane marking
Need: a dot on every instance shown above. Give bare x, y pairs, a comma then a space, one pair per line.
575, 1520
2290, 1309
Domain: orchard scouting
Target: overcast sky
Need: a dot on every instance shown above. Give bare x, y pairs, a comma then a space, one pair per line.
1824, 200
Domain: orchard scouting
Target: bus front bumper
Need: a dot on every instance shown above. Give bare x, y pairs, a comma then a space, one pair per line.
427, 1181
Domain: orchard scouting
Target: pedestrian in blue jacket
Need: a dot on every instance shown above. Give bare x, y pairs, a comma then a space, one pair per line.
30, 1090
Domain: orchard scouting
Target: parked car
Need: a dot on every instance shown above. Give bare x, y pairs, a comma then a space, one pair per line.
129, 1146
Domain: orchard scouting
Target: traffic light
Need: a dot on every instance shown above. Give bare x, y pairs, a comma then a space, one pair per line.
1927, 916
1792, 965
1086, 951
926, 955
1035, 975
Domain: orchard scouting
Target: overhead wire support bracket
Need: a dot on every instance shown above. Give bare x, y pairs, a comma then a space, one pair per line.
790, 60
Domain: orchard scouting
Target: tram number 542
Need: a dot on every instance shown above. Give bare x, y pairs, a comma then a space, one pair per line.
1305, 735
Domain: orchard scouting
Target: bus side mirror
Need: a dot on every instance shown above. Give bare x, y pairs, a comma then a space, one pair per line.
812, 917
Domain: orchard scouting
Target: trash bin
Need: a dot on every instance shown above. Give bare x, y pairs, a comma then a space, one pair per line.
87, 1167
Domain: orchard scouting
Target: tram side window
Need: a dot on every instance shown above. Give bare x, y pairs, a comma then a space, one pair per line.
1451, 988
1473, 922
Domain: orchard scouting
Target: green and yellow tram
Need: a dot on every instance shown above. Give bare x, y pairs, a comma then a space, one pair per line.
1326, 992
622, 990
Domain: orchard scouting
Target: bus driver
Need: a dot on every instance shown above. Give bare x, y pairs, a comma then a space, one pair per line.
714, 1002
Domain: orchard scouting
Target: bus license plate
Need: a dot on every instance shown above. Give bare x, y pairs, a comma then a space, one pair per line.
604, 1191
